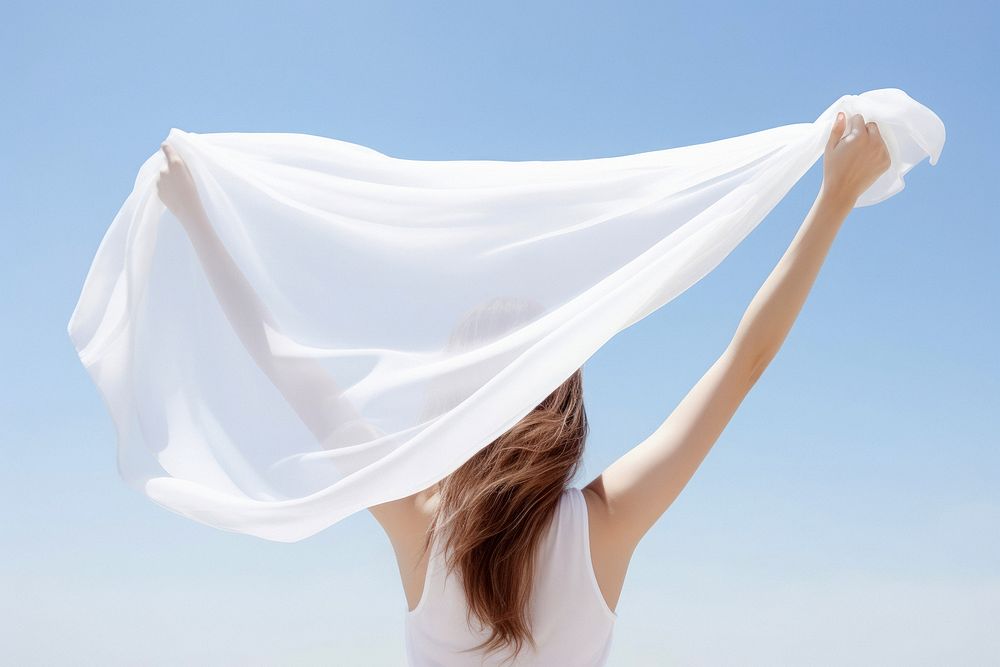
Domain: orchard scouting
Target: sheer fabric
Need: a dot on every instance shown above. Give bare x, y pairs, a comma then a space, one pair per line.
364, 324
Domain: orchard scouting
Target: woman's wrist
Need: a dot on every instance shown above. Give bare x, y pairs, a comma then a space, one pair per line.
836, 200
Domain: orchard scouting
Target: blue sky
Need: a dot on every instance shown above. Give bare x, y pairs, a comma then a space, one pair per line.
848, 515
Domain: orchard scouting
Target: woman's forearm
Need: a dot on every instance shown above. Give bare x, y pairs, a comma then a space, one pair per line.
773, 310
239, 302
854, 158
305, 384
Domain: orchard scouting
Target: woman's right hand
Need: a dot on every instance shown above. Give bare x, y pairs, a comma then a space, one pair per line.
853, 162
176, 187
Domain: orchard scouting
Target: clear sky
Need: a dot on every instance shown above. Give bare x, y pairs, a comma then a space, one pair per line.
850, 513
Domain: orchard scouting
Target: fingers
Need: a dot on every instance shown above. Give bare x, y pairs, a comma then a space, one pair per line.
857, 124
837, 131
858, 127
173, 157
171, 154
876, 136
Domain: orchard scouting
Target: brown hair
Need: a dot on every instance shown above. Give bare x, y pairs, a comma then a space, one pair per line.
497, 505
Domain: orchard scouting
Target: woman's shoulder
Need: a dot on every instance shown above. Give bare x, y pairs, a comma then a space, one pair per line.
406, 520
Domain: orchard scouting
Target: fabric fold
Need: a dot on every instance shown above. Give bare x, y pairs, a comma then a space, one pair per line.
351, 327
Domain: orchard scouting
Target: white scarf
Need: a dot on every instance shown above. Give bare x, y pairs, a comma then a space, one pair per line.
375, 321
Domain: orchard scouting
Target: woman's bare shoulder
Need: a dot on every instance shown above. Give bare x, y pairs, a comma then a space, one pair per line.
405, 520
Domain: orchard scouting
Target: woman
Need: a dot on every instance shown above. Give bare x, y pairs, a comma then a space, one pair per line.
501, 561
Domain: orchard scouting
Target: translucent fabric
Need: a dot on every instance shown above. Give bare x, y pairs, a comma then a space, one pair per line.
352, 327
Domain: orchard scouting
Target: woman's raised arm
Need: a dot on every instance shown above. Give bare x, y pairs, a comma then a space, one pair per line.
305, 384
634, 491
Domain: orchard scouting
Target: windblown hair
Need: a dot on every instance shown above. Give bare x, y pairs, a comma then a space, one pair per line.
493, 510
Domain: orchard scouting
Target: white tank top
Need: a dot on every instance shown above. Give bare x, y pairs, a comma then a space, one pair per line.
571, 622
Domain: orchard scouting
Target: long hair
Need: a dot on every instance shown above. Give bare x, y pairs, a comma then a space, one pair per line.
493, 510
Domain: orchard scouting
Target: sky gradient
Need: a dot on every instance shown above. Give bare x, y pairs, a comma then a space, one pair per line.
850, 513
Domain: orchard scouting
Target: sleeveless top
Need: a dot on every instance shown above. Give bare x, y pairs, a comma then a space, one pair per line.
570, 620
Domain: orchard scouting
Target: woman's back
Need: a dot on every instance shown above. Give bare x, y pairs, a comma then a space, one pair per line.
570, 619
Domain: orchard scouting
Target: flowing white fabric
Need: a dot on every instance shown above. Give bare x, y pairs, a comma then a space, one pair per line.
363, 324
